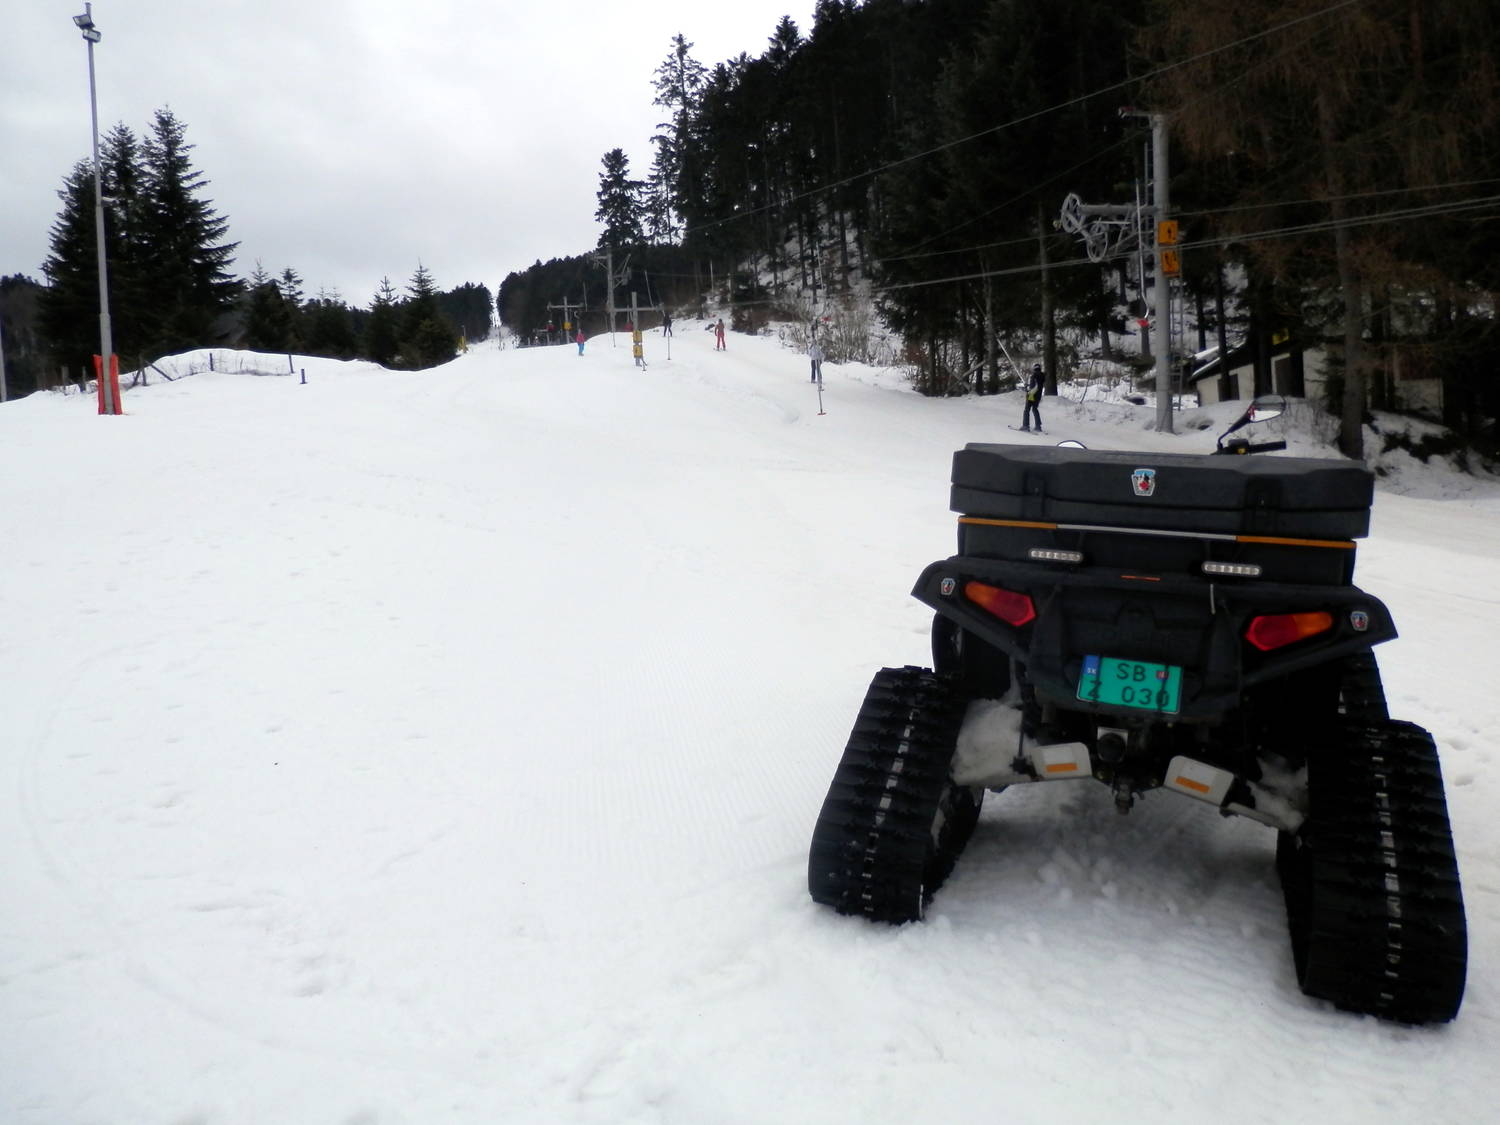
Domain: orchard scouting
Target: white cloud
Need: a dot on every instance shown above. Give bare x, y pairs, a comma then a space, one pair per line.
349, 140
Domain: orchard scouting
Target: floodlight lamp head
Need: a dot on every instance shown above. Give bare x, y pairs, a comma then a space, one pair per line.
92, 34
84, 22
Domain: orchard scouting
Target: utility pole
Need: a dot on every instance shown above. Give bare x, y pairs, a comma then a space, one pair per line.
567, 308
1109, 228
1161, 204
612, 282
2, 358
1049, 322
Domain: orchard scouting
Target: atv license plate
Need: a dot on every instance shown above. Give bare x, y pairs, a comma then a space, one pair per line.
1131, 683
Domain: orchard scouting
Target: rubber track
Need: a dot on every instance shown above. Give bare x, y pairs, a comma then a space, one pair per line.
1372, 889
892, 825
1361, 694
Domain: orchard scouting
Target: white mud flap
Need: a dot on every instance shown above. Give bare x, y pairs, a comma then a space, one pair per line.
1060, 761
987, 754
1198, 780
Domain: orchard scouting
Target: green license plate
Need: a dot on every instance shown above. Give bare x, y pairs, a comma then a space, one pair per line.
1131, 683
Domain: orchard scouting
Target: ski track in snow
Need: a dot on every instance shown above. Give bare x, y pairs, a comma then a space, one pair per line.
445, 746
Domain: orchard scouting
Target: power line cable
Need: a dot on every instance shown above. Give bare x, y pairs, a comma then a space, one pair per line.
1457, 207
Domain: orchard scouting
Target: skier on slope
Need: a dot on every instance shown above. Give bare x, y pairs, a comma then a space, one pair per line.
1033, 400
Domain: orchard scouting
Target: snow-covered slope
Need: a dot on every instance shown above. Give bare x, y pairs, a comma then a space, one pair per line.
405, 748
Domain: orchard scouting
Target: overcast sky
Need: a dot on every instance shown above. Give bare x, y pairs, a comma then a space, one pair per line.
352, 140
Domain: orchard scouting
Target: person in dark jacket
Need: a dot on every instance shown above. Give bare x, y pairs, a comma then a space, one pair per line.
1033, 411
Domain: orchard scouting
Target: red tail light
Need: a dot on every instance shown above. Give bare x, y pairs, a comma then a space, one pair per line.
1010, 607
1282, 629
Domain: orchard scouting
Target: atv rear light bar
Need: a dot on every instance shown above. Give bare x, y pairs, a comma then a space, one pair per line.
1052, 554
1010, 607
1282, 629
1235, 570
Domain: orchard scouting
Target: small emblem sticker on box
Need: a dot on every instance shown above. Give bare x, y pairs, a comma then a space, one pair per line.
1143, 481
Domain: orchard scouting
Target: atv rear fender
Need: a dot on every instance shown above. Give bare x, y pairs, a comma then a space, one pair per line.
1188, 621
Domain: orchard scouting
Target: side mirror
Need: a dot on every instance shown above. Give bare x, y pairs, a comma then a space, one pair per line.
1262, 409
1266, 407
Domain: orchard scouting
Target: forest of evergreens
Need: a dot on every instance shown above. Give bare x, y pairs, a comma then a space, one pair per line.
171, 287
1334, 172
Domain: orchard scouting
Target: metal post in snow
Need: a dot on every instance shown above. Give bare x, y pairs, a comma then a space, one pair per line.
1160, 199
108, 392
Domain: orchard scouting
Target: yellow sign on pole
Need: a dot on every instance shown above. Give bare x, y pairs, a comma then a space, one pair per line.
1171, 264
1166, 232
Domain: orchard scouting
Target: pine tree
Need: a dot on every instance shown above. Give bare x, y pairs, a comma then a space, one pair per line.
619, 203
428, 338
289, 284
267, 325
69, 308
679, 84
185, 269
660, 217
382, 338
328, 329
135, 317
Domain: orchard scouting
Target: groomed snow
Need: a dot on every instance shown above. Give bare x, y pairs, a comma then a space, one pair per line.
444, 747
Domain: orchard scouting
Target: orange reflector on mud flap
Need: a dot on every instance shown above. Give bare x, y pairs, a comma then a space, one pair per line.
1198, 780
1282, 629
1009, 606
1060, 760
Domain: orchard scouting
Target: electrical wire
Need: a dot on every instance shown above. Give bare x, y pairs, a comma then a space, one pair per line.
1457, 207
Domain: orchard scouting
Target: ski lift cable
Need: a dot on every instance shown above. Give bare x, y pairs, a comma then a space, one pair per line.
1406, 215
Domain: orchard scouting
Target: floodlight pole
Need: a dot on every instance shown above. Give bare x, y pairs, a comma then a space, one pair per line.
107, 403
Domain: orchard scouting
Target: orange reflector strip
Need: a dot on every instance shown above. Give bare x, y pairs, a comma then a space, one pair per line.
1140, 578
1063, 767
1006, 523
1189, 783
1340, 544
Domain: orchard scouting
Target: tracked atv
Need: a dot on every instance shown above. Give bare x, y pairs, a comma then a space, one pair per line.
1170, 622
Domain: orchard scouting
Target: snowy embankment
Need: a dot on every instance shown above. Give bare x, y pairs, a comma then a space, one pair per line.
445, 747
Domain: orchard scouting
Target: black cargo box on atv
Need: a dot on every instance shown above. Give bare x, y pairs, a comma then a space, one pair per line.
1261, 496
